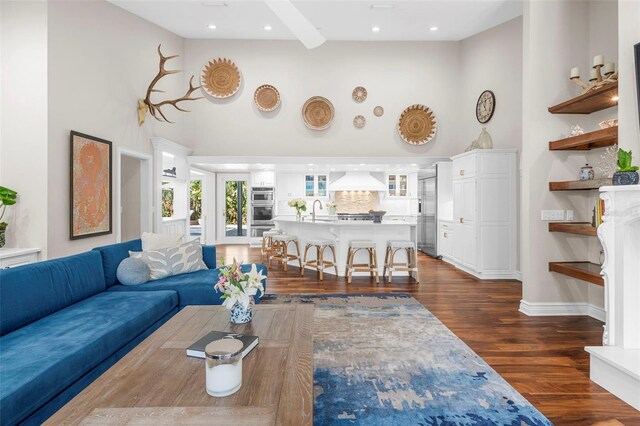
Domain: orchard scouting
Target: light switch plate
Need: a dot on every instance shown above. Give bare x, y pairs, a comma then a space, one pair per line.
569, 214
552, 215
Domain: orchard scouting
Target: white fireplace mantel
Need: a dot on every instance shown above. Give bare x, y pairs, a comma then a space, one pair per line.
616, 365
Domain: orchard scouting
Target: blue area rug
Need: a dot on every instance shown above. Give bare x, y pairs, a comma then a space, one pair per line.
382, 359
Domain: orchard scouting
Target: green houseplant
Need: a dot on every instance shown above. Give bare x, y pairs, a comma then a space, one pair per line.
626, 174
8, 197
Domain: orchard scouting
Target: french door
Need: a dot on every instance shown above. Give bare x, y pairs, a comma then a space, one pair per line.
233, 208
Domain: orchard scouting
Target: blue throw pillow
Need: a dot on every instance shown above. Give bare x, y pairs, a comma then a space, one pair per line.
133, 271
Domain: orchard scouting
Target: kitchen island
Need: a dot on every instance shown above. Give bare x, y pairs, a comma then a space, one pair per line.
343, 231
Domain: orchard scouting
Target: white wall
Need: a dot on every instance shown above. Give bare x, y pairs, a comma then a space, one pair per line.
395, 74
131, 198
629, 29
100, 61
492, 60
557, 36
23, 134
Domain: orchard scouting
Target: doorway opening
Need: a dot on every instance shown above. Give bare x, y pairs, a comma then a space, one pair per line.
133, 195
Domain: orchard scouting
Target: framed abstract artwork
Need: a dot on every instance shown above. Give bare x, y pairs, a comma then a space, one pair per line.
91, 198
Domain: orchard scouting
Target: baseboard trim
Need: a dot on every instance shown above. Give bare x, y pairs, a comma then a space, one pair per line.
534, 309
518, 275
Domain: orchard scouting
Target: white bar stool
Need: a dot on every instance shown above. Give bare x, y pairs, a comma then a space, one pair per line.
267, 243
389, 263
319, 264
371, 267
281, 250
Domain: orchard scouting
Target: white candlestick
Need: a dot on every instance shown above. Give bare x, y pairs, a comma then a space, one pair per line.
609, 68
594, 75
575, 72
598, 60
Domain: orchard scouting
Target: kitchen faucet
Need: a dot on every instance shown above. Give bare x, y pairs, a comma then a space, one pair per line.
313, 212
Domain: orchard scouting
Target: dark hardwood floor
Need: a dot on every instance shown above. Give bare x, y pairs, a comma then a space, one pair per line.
542, 357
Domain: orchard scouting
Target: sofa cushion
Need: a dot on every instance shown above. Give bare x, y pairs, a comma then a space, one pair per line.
153, 241
112, 255
40, 360
181, 259
133, 271
31, 292
195, 288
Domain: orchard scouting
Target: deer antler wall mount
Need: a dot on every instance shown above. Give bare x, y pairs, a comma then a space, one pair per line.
146, 105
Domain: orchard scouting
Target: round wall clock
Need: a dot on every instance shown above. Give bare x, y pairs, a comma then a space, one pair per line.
486, 106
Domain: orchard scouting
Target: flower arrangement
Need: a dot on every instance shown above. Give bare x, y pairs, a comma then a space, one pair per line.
331, 207
239, 287
299, 204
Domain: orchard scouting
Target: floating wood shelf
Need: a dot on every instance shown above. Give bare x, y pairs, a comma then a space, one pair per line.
596, 139
579, 228
589, 102
585, 271
578, 184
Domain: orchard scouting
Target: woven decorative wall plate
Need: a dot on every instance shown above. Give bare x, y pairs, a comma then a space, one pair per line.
221, 78
359, 94
417, 125
359, 121
378, 111
317, 113
266, 98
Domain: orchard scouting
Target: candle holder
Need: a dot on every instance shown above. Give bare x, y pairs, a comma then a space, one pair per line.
596, 81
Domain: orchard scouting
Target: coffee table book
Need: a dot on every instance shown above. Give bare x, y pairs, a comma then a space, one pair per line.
197, 349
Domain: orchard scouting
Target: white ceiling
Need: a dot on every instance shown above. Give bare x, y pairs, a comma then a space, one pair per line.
335, 19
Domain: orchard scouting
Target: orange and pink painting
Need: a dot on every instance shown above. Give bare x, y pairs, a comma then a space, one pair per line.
90, 186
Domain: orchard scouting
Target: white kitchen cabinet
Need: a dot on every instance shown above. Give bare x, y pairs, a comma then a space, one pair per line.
398, 185
289, 185
263, 179
445, 239
316, 185
483, 241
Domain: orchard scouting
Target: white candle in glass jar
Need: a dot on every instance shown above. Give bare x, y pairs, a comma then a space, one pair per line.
223, 365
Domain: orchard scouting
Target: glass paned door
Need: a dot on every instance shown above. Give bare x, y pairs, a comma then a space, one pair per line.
235, 208
234, 216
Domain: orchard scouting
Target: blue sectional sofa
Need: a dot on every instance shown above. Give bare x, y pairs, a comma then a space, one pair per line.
63, 322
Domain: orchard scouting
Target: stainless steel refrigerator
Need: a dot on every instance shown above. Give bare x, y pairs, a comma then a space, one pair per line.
427, 213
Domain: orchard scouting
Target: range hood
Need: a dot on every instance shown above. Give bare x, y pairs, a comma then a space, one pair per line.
357, 181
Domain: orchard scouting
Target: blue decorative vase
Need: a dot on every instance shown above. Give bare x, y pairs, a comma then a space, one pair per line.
625, 178
240, 315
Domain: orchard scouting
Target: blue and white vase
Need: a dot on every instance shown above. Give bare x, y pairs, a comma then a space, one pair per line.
240, 315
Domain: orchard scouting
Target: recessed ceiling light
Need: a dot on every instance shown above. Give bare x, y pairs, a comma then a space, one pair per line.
433, 29
267, 27
362, 164
333, 170
310, 164
355, 170
375, 29
211, 27
414, 164
383, 6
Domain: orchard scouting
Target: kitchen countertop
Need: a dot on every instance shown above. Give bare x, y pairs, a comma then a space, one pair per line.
336, 222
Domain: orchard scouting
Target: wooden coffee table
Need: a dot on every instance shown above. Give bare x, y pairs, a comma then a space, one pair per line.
156, 383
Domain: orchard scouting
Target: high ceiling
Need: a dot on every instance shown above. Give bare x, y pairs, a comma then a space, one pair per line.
335, 19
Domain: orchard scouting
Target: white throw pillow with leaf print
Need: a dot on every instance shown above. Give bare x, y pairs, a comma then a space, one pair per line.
177, 260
